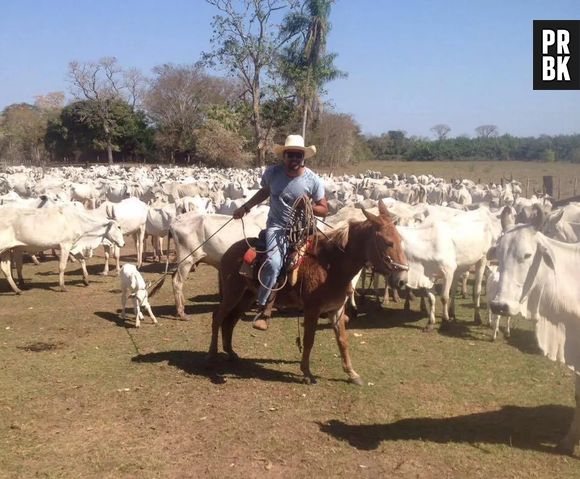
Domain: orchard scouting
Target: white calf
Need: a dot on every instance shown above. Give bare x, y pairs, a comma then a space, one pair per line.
133, 283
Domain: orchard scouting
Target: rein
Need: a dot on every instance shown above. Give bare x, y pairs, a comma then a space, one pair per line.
156, 286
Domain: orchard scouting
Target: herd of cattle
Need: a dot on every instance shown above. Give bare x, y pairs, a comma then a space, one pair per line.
528, 251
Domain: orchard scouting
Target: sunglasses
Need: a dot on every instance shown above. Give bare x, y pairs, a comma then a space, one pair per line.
294, 155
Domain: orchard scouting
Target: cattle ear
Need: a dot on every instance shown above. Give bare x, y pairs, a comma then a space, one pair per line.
507, 218
371, 217
547, 257
538, 217
555, 217
492, 253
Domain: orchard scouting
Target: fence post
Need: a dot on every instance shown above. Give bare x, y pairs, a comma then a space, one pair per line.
548, 185
528, 187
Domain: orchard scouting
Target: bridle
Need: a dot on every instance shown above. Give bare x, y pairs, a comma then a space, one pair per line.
391, 265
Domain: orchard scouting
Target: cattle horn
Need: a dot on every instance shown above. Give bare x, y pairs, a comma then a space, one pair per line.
538, 217
110, 210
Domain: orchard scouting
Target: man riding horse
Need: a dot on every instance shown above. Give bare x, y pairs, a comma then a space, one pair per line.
283, 184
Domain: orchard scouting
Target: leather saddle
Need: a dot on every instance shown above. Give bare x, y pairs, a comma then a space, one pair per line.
255, 256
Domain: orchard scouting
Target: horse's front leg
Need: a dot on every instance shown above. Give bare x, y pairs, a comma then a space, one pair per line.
339, 324
229, 324
310, 322
226, 310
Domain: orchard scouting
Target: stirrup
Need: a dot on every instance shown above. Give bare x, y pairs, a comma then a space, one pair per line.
260, 316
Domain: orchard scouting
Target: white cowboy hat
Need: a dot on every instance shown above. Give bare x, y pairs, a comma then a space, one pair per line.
295, 142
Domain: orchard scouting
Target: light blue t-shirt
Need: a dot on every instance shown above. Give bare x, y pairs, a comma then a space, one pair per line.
284, 191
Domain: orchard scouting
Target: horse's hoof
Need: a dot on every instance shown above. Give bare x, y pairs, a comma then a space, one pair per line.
309, 380
357, 381
86, 282
566, 447
445, 325
104, 273
183, 317
233, 357
429, 328
63, 289
210, 361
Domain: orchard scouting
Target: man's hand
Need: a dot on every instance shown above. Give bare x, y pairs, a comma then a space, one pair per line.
240, 212
300, 205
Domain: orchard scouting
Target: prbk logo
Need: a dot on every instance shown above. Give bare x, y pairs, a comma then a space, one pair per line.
556, 54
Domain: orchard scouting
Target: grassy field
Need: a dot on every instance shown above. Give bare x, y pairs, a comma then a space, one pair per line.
83, 394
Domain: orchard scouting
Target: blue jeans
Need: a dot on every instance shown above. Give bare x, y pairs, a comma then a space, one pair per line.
276, 246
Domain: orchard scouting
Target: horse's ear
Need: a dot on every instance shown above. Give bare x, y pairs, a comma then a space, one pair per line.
383, 211
371, 217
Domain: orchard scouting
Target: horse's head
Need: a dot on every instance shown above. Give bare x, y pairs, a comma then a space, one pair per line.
384, 249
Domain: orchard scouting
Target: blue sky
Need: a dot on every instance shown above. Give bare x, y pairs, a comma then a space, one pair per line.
411, 64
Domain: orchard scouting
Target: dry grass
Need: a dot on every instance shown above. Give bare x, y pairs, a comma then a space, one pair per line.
94, 397
565, 174
84, 395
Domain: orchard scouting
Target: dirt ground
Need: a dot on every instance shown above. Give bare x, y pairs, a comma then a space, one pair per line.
85, 395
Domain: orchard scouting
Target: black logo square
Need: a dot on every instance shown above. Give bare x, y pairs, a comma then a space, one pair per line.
556, 55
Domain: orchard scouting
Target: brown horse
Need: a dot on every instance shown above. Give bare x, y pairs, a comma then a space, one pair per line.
324, 283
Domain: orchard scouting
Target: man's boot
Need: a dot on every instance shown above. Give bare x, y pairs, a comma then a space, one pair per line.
264, 316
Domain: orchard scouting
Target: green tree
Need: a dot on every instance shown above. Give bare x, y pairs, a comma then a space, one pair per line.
104, 84
22, 130
441, 130
78, 133
178, 100
304, 64
246, 43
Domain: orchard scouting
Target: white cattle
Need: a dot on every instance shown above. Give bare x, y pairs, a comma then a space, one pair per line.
64, 227
447, 250
195, 203
133, 284
191, 230
115, 191
131, 214
159, 220
564, 224
491, 287
538, 274
229, 206
175, 190
86, 193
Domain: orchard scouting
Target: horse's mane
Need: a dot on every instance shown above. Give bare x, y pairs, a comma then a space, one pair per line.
338, 237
